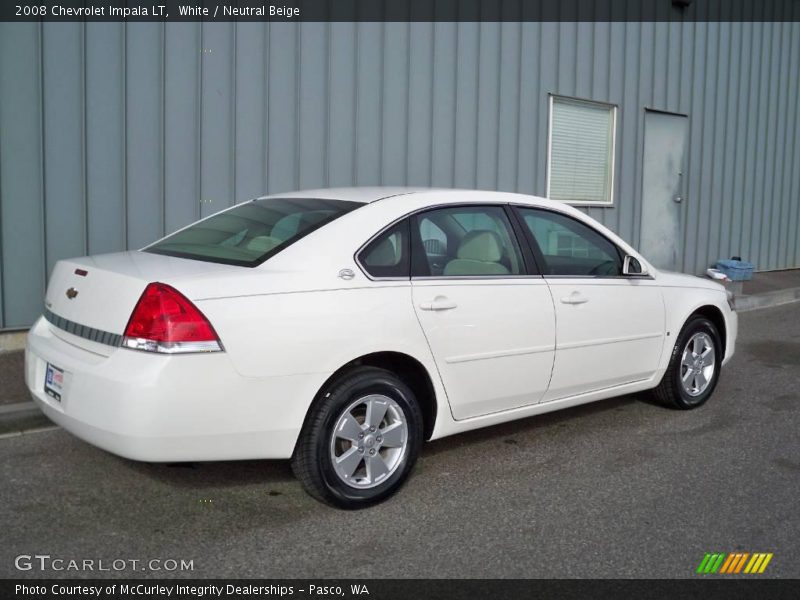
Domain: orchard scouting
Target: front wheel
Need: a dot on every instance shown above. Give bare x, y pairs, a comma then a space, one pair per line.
694, 366
361, 439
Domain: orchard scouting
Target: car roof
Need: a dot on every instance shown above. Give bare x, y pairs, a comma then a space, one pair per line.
364, 195
369, 194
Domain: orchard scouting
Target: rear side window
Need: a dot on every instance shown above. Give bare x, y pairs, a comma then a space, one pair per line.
466, 241
388, 254
248, 234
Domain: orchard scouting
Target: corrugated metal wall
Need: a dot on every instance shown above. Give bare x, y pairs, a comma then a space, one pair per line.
113, 134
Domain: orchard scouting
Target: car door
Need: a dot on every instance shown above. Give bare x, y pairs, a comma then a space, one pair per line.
609, 327
488, 319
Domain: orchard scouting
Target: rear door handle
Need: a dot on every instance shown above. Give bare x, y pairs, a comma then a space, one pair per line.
574, 298
438, 303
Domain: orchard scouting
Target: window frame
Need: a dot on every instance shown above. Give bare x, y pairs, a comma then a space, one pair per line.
539, 255
614, 108
529, 265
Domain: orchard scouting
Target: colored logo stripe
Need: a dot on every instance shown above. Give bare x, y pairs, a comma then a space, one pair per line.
710, 563
734, 562
758, 563
727, 564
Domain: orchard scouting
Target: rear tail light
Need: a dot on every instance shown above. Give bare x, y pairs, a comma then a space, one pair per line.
166, 321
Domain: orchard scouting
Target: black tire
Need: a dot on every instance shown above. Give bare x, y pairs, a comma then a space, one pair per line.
312, 460
671, 392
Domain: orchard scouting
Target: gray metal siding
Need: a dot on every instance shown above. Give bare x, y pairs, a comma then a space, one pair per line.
112, 135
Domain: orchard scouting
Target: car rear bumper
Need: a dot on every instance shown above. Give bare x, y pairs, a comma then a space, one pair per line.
159, 408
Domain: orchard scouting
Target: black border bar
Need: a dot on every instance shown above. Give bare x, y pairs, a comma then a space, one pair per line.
702, 587
407, 10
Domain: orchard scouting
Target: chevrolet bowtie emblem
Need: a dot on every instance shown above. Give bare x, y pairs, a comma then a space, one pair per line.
71, 293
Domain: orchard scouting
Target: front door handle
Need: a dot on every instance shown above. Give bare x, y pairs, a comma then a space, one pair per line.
574, 298
438, 303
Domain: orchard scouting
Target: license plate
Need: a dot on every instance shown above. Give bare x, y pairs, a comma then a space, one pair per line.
54, 382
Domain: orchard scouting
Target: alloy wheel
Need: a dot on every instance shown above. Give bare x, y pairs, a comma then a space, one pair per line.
698, 363
369, 441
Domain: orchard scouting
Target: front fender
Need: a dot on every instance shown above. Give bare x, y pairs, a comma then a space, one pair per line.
682, 302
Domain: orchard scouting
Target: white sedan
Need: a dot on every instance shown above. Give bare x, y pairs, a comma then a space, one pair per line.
341, 328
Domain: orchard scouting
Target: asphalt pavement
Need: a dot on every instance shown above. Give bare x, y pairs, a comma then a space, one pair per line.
12, 380
620, 488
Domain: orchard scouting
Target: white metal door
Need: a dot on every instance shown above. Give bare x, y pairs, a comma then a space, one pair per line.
664, 147
493, 340
609, 332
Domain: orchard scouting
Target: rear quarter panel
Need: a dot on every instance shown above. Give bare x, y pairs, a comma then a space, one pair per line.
318, 332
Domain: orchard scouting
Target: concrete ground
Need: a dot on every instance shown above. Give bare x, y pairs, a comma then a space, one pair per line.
772, 281
620, 488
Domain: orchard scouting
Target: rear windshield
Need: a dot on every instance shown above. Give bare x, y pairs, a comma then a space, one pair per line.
250, 233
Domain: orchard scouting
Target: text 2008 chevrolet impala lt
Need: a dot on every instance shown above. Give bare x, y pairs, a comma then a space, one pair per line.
341, 328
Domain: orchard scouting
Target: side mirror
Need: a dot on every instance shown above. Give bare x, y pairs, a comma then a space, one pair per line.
632, 266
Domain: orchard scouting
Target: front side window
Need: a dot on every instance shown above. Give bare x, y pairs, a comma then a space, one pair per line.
249, 233
466, 241
569, 247
581, 151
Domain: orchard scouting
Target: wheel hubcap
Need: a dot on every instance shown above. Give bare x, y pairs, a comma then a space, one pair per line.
698, 363
369, 441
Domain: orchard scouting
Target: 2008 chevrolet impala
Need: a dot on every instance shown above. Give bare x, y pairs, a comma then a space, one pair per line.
341, 328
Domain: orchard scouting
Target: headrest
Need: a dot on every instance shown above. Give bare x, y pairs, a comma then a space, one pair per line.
482, 245
263, 243
286, 227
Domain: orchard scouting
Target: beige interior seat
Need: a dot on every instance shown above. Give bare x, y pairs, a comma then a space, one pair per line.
263, 243
479, 253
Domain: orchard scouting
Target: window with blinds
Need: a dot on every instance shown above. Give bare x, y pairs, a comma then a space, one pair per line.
581, 151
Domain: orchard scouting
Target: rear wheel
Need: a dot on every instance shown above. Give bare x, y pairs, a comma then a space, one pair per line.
694, 366
361, 439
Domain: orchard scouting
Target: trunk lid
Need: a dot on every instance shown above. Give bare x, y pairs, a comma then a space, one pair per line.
99, 293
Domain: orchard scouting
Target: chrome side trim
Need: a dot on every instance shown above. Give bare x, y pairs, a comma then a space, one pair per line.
603, 277
88, 333
145, 345
426, 278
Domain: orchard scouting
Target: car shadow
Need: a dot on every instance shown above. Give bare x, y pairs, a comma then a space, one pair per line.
529, 425
243, 473
235, 473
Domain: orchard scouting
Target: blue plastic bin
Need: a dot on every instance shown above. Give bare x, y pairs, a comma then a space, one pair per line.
736, 270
